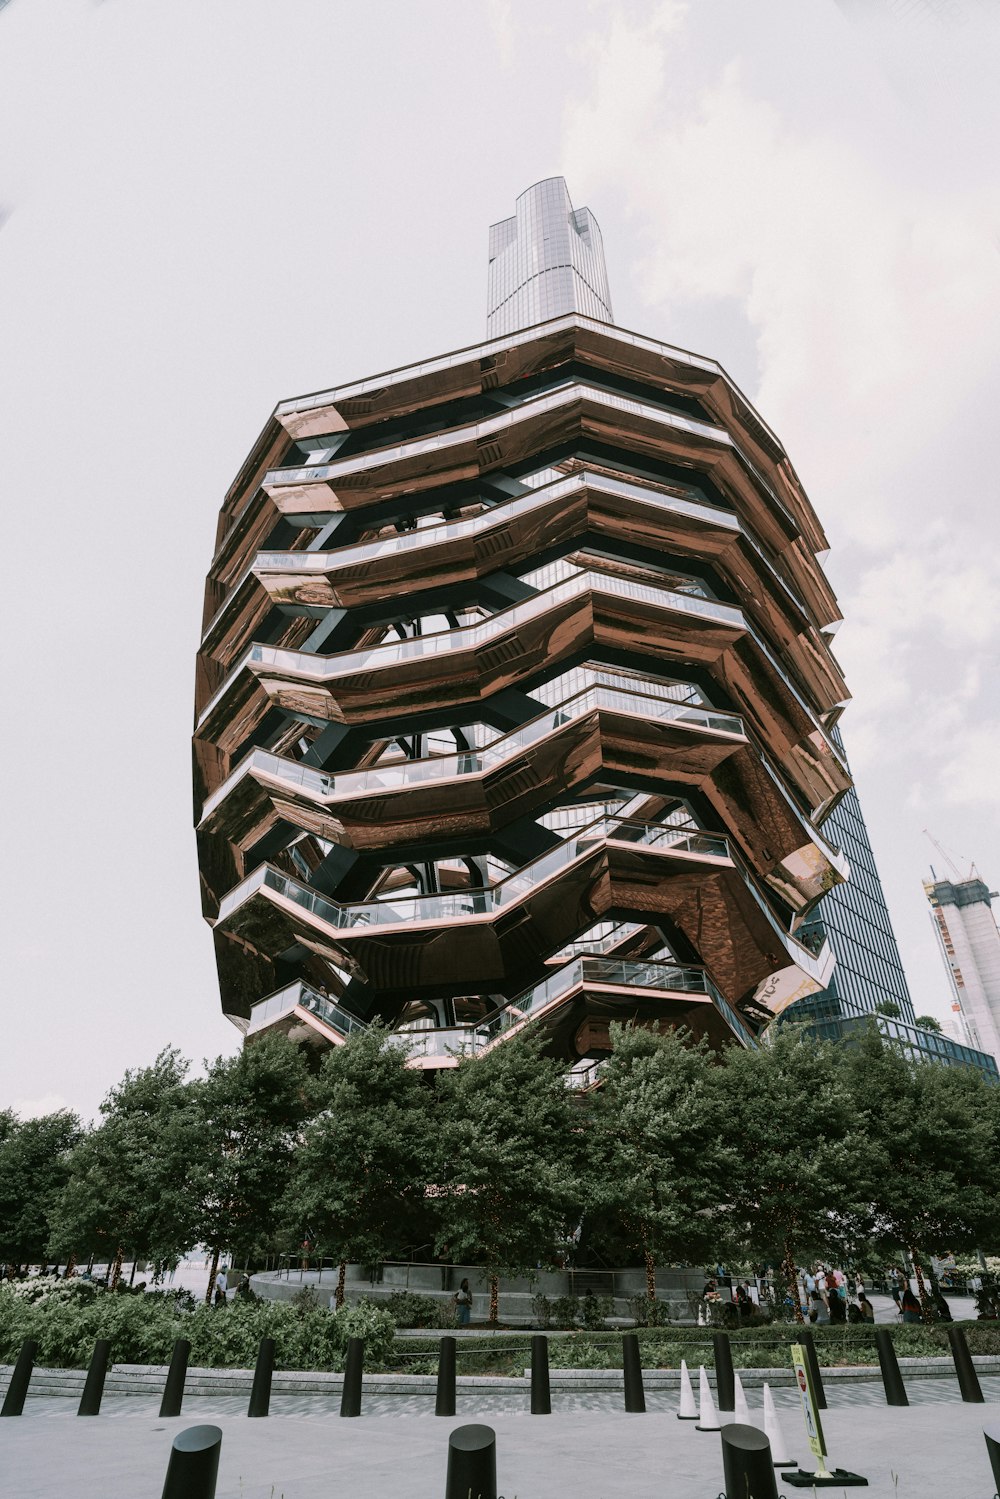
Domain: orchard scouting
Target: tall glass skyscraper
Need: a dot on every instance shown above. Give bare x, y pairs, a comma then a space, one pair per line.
545, 261
869, 977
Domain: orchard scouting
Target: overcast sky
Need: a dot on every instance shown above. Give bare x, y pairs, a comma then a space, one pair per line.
208, 207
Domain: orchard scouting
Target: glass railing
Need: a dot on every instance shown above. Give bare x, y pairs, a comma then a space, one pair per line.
483, 902
492, 426
404, 773
304, 997
604, 972
497, 516
390, 653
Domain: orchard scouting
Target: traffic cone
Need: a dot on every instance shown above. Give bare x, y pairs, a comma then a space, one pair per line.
772, 1430
688, 1411
741, 1411
708, 1419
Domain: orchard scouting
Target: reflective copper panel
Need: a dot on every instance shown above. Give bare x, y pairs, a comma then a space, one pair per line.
514, 702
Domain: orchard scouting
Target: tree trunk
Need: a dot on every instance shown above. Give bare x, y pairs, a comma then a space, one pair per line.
116, 1269
131, 1279
925, 1301
650, 1273
494, 1299
341, 1279
70, 1267
213, 1272
792, 1281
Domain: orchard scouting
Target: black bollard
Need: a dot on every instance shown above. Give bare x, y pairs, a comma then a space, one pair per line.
725, 1379
472, 1463
635, 1398
895, 1394
968, 1379
541, 1399
194, 1464
90, 1403
444, 1403
746, 1462
993, 1450
806, 1339
260, 1395
173, 1390
354, 1366
13, 1402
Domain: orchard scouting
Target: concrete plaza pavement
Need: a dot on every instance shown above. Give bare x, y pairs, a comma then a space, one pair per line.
921, 1452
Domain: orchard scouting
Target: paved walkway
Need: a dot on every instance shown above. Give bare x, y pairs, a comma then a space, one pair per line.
923, 1452
478, 1404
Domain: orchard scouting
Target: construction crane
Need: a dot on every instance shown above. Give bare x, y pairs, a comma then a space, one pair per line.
948, 859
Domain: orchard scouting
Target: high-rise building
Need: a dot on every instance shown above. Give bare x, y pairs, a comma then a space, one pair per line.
868, 980
515, 694
966, 929
545, 262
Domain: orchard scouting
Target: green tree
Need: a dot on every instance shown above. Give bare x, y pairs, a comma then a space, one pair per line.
361, 1171
509, 1159
801, 1180
661, 1160
249, 1112
889, 1008
34, 1167
929, 1023
128, 1186
934, 1150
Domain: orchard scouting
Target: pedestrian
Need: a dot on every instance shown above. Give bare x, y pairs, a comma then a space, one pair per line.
896, 1284
221, 1287
819, 1312
865, 1307
909, 1306
463, 1303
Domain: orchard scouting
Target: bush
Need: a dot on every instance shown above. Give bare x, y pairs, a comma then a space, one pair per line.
648, 1313
408, 1309
142, 1330
564, 1311
594, 1311
541, 1308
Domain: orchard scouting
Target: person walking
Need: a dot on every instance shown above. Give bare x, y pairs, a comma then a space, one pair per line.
463, 1303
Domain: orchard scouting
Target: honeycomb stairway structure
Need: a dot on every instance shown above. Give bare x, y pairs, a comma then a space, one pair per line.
514, 700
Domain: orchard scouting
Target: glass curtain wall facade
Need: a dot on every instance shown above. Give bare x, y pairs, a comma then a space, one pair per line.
545, 261
854, 919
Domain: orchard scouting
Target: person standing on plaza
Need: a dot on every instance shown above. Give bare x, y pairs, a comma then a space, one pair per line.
463, 1303
896, 1285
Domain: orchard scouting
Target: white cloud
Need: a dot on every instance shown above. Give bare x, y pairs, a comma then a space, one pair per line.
854, 235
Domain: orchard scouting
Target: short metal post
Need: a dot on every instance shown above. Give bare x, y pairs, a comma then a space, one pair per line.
173, 1390
968, 1379
746, 1462
193, 1468
635, 1398
993, 1450
541, 1398
892, 1380
725, 1377
805, 1337
13, 1402
444, 1403
354, 1365
90, 1403
472, 1463
260, 1395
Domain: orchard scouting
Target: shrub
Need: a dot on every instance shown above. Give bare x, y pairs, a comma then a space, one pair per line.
564, 1311
142, 1330
594, 1310
408, 1309
541, 1308
649, 1313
